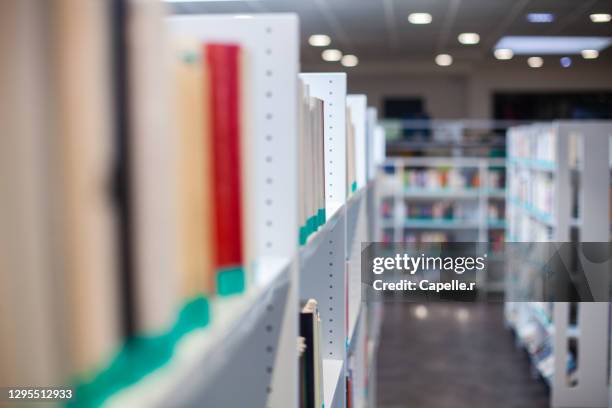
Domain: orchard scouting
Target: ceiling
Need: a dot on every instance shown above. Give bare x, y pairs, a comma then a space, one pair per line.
377, 31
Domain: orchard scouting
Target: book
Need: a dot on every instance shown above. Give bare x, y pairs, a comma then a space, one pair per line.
195, 188
301, 346
84, 158
311, 165
351, 182
319, 157
154, 170
302, 119
33, 321
225, 133
312, 379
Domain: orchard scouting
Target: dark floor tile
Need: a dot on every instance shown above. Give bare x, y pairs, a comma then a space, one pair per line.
459, 355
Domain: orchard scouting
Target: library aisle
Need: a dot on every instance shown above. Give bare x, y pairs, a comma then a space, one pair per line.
463, 353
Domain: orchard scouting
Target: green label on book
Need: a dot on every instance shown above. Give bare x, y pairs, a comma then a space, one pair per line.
230, 281
193, 315
321, 216
303, 235
139, 356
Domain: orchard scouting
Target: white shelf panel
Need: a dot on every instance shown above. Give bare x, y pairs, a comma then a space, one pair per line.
208, 362
356, 234
354, 330
555, 162
358, 105
322, 277
333, 389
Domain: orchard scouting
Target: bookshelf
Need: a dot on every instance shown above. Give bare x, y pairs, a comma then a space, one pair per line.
443, 138
428, 199
331, 260
558, 189
253, 335
154, 325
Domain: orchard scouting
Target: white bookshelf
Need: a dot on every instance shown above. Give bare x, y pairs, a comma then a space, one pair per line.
541, 161
393, 187
253, 335
475, 227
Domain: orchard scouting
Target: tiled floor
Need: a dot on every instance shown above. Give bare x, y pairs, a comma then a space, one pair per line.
451, 355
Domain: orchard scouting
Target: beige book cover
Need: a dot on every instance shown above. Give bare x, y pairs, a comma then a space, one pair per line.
154, 170
194, 161
32, 318
81, 57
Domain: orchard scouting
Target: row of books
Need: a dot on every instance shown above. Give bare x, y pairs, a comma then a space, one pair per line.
128, 186
127, 207
454, 178
522, 228
440, 210
426, 237
535, 190
535, 334
312, 163
532, 143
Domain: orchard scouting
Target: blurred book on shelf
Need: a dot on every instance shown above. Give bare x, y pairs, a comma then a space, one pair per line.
351, 174
311, 185
311, 376
438, 138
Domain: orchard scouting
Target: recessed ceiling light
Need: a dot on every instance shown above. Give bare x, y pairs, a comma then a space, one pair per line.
566, 62
535, 62
503, 53
331, 55
590, 54
319, 40
419, 18
549, 45
601, 18
540, 17
349, 60
468, 38
444, 60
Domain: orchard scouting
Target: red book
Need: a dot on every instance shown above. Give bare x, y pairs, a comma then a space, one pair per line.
225, 116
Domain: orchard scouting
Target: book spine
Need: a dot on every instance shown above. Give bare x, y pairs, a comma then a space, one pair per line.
307, 331
122, 180
154, 153
224, 65
84, 163
194, 184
